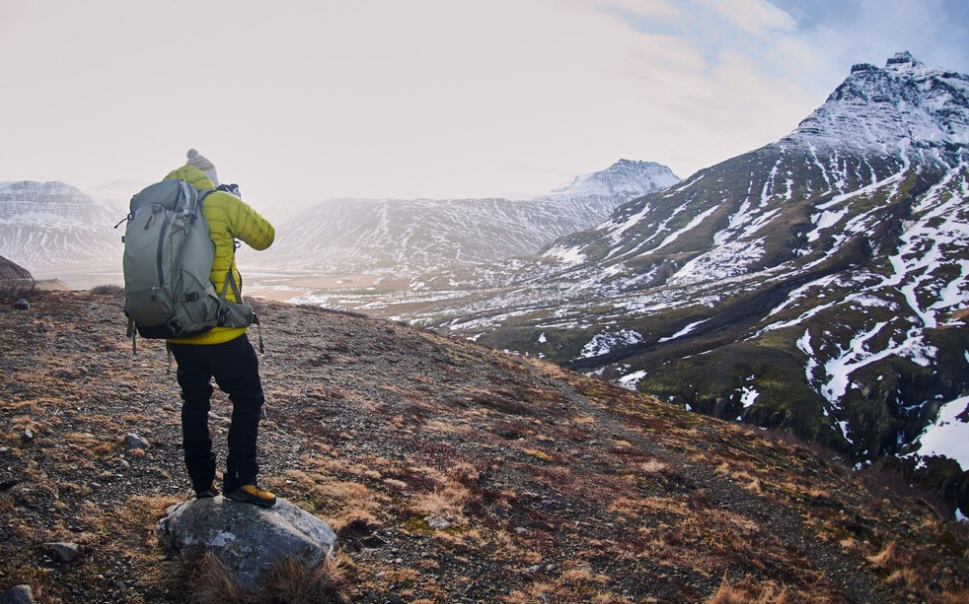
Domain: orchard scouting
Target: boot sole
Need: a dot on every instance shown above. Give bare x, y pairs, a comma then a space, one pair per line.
243, 498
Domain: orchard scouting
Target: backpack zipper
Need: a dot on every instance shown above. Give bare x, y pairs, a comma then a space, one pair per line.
161, 247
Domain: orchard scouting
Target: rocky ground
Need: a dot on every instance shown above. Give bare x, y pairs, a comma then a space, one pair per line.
452, 473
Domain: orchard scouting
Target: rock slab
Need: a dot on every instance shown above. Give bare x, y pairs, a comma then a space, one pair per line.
66, 551
18, 594
134, 441
247, 539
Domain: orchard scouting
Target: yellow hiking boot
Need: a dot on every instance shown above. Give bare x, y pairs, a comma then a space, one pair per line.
250, 493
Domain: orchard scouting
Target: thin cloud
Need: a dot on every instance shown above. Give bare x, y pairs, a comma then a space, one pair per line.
429, 98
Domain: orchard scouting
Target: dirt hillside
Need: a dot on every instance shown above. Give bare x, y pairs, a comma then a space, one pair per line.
452, 473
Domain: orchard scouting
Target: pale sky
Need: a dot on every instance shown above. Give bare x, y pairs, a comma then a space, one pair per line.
299, 101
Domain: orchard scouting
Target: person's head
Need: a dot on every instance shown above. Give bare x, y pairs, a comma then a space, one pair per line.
203, 164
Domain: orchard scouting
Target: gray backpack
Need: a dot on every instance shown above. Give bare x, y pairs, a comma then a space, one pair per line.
167, 260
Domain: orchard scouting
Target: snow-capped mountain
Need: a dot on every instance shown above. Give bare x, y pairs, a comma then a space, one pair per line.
624, 179
818, 283
45, 226
408, 237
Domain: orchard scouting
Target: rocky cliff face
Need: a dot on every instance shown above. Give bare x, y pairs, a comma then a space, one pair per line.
816, 284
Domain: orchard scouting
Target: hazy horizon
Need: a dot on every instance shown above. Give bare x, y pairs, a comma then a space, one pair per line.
433, 99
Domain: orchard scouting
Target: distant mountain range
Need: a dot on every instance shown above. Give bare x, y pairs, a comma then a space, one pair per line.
52, 226
48, 226
818, 283
439, 235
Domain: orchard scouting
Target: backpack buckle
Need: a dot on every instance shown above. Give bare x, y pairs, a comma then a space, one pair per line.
174, 327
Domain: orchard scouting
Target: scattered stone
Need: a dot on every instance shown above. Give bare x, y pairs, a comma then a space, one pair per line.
133, 441
21, 304
438, 523
27, 435
18, 594
531, 570
247, 539
520, 530
68, 552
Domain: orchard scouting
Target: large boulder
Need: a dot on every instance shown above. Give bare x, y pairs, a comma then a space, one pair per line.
247, 539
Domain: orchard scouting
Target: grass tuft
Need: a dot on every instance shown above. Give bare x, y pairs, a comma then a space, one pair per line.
288, 582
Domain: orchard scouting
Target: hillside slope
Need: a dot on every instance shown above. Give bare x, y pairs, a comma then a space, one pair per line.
452, 473
816, 284
12, 271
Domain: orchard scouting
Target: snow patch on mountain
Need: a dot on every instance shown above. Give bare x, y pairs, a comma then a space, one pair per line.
630, 381
731, 258
565, 255
948, 435
605, 342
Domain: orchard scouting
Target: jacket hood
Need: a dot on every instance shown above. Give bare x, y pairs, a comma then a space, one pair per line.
192, 176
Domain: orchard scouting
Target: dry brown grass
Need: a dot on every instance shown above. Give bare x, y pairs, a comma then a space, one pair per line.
448, 503
885, 557
902, 577
953, 597
550, 369
583, 574
637, 507
288, 582
747, 592
653, 466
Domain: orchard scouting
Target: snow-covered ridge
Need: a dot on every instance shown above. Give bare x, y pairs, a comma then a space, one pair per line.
626, 178
880, 107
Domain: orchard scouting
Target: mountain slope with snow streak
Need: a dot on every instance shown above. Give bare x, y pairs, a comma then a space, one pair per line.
817, 284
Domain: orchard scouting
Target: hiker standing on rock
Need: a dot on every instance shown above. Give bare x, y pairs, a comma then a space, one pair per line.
222, 352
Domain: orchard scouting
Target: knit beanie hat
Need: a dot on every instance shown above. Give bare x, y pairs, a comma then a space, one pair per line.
199, 161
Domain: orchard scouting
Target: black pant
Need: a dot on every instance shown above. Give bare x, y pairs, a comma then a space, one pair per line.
236, 371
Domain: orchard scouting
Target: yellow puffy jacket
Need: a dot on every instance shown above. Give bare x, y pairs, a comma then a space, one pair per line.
229, 218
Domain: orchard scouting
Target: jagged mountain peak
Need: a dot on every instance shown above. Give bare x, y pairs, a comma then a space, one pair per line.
903, 61
887, 109
627, 177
